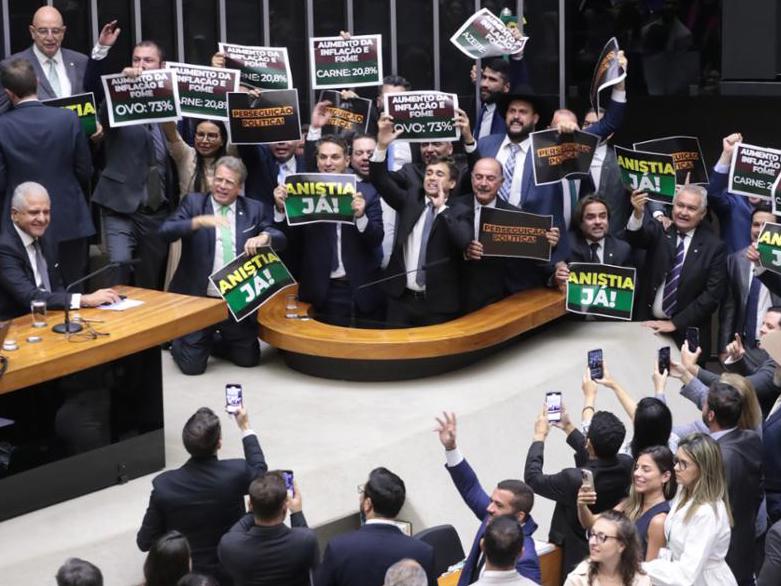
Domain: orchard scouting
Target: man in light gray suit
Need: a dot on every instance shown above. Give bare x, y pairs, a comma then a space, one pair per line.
61, 72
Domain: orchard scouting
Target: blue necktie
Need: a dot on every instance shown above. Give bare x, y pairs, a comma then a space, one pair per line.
752, 304
420, 276
508, 171
669, 299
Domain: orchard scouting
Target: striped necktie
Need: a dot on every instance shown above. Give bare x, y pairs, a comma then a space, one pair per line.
670, 294
509, 170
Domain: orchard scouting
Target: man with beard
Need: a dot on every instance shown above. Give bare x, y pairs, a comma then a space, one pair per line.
496, 79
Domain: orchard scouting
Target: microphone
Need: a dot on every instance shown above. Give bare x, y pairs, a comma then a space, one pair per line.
68, 327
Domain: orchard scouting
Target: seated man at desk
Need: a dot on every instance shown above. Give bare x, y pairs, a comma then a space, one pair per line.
28, 263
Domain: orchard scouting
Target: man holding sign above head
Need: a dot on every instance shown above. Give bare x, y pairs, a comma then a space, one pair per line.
214, 228
684, 276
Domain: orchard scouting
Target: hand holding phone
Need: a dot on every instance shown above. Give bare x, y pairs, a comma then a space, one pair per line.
588, 479
553, 406
288, 476
234, 398
596, 365
663, 360
693, 338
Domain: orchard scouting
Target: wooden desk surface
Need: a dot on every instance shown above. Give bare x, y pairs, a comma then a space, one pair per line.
162, 317
483, 328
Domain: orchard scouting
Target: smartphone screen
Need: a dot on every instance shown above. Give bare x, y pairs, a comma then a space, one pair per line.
595, 365
664, 359
233, 398
693, 338
553, 406
588, 478
288, 476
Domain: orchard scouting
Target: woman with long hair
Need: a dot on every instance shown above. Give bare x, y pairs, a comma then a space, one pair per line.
167, 561
698, 526
614, 555
653, 486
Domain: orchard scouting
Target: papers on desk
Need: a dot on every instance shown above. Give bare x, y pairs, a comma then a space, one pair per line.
122, 305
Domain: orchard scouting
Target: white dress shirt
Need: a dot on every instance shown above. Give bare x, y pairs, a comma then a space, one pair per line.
412, 247
478, 208
488, 119
59, 66
218, 263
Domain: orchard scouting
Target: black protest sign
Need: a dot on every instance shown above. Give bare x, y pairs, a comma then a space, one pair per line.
346, 115
271, 117
151, 97
557, 155
203, 90
690, 167
337, 63
423, 116
604, 290
319, 197
484, 35
607, 72
84, 107
769, 247
263, 68
247, 282
514, 234
754, 170
654, 173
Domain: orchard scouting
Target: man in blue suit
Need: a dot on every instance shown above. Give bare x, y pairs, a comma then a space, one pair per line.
362, 557
215, 228
510, 497
46, 145
496, 79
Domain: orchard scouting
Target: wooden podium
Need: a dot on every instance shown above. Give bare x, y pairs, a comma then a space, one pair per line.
128, 343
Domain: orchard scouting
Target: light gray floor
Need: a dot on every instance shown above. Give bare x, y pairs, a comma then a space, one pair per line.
332, 433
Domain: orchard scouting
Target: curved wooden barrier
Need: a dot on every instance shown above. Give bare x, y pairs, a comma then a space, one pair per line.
331, 351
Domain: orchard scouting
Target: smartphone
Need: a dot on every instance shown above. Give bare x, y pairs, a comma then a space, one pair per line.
288, 476
664, 359
595, 364
553, 406
234, 398
693, 338
588, 478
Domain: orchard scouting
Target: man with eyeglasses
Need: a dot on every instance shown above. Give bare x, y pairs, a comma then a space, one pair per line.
62, 72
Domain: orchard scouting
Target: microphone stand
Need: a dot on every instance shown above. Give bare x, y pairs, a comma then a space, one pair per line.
67, 326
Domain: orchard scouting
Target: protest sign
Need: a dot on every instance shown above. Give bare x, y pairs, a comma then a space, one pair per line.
515, 234
151, 97
753, 170
264, 68
484, 35
347, 116
607, 72
776, 202
319, 197
557, 155
604, 290
687, 156
203, 90
423, 116
338, 63
651, 172
271, 117
247, 282
84, 107
769, 247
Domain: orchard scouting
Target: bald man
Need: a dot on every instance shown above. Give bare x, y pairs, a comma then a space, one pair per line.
61, 72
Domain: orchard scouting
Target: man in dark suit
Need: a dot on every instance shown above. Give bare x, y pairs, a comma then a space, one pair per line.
215, 228
496, 79
267, 167
682, 281
597, 452
260, 550
136, 190
28, 262
362, 557
205, 497
591, 240
771, 439
771, 569
741, 450
510, 497
46, 145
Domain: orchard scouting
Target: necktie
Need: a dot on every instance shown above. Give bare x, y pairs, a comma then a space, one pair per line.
669, 296
42, 266
509, 170
155, 175
53, 77
420, 276
226, 238
594, 254
750, 322
481, 123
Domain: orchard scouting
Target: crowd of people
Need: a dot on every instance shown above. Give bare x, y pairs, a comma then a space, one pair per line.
680, 503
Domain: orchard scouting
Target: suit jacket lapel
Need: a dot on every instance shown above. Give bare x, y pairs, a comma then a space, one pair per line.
607, 254
527, 178
43, 81
209, 209
743, 276
70, 69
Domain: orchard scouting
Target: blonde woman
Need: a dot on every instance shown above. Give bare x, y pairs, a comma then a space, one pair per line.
698, 526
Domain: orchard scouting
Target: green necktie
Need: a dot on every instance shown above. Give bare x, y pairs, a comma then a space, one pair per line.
226, 238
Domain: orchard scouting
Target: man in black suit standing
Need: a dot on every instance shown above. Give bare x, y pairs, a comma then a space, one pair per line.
363, 556
741, 450
215, 228
260, 550
683, 279
204, 497
46, 145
